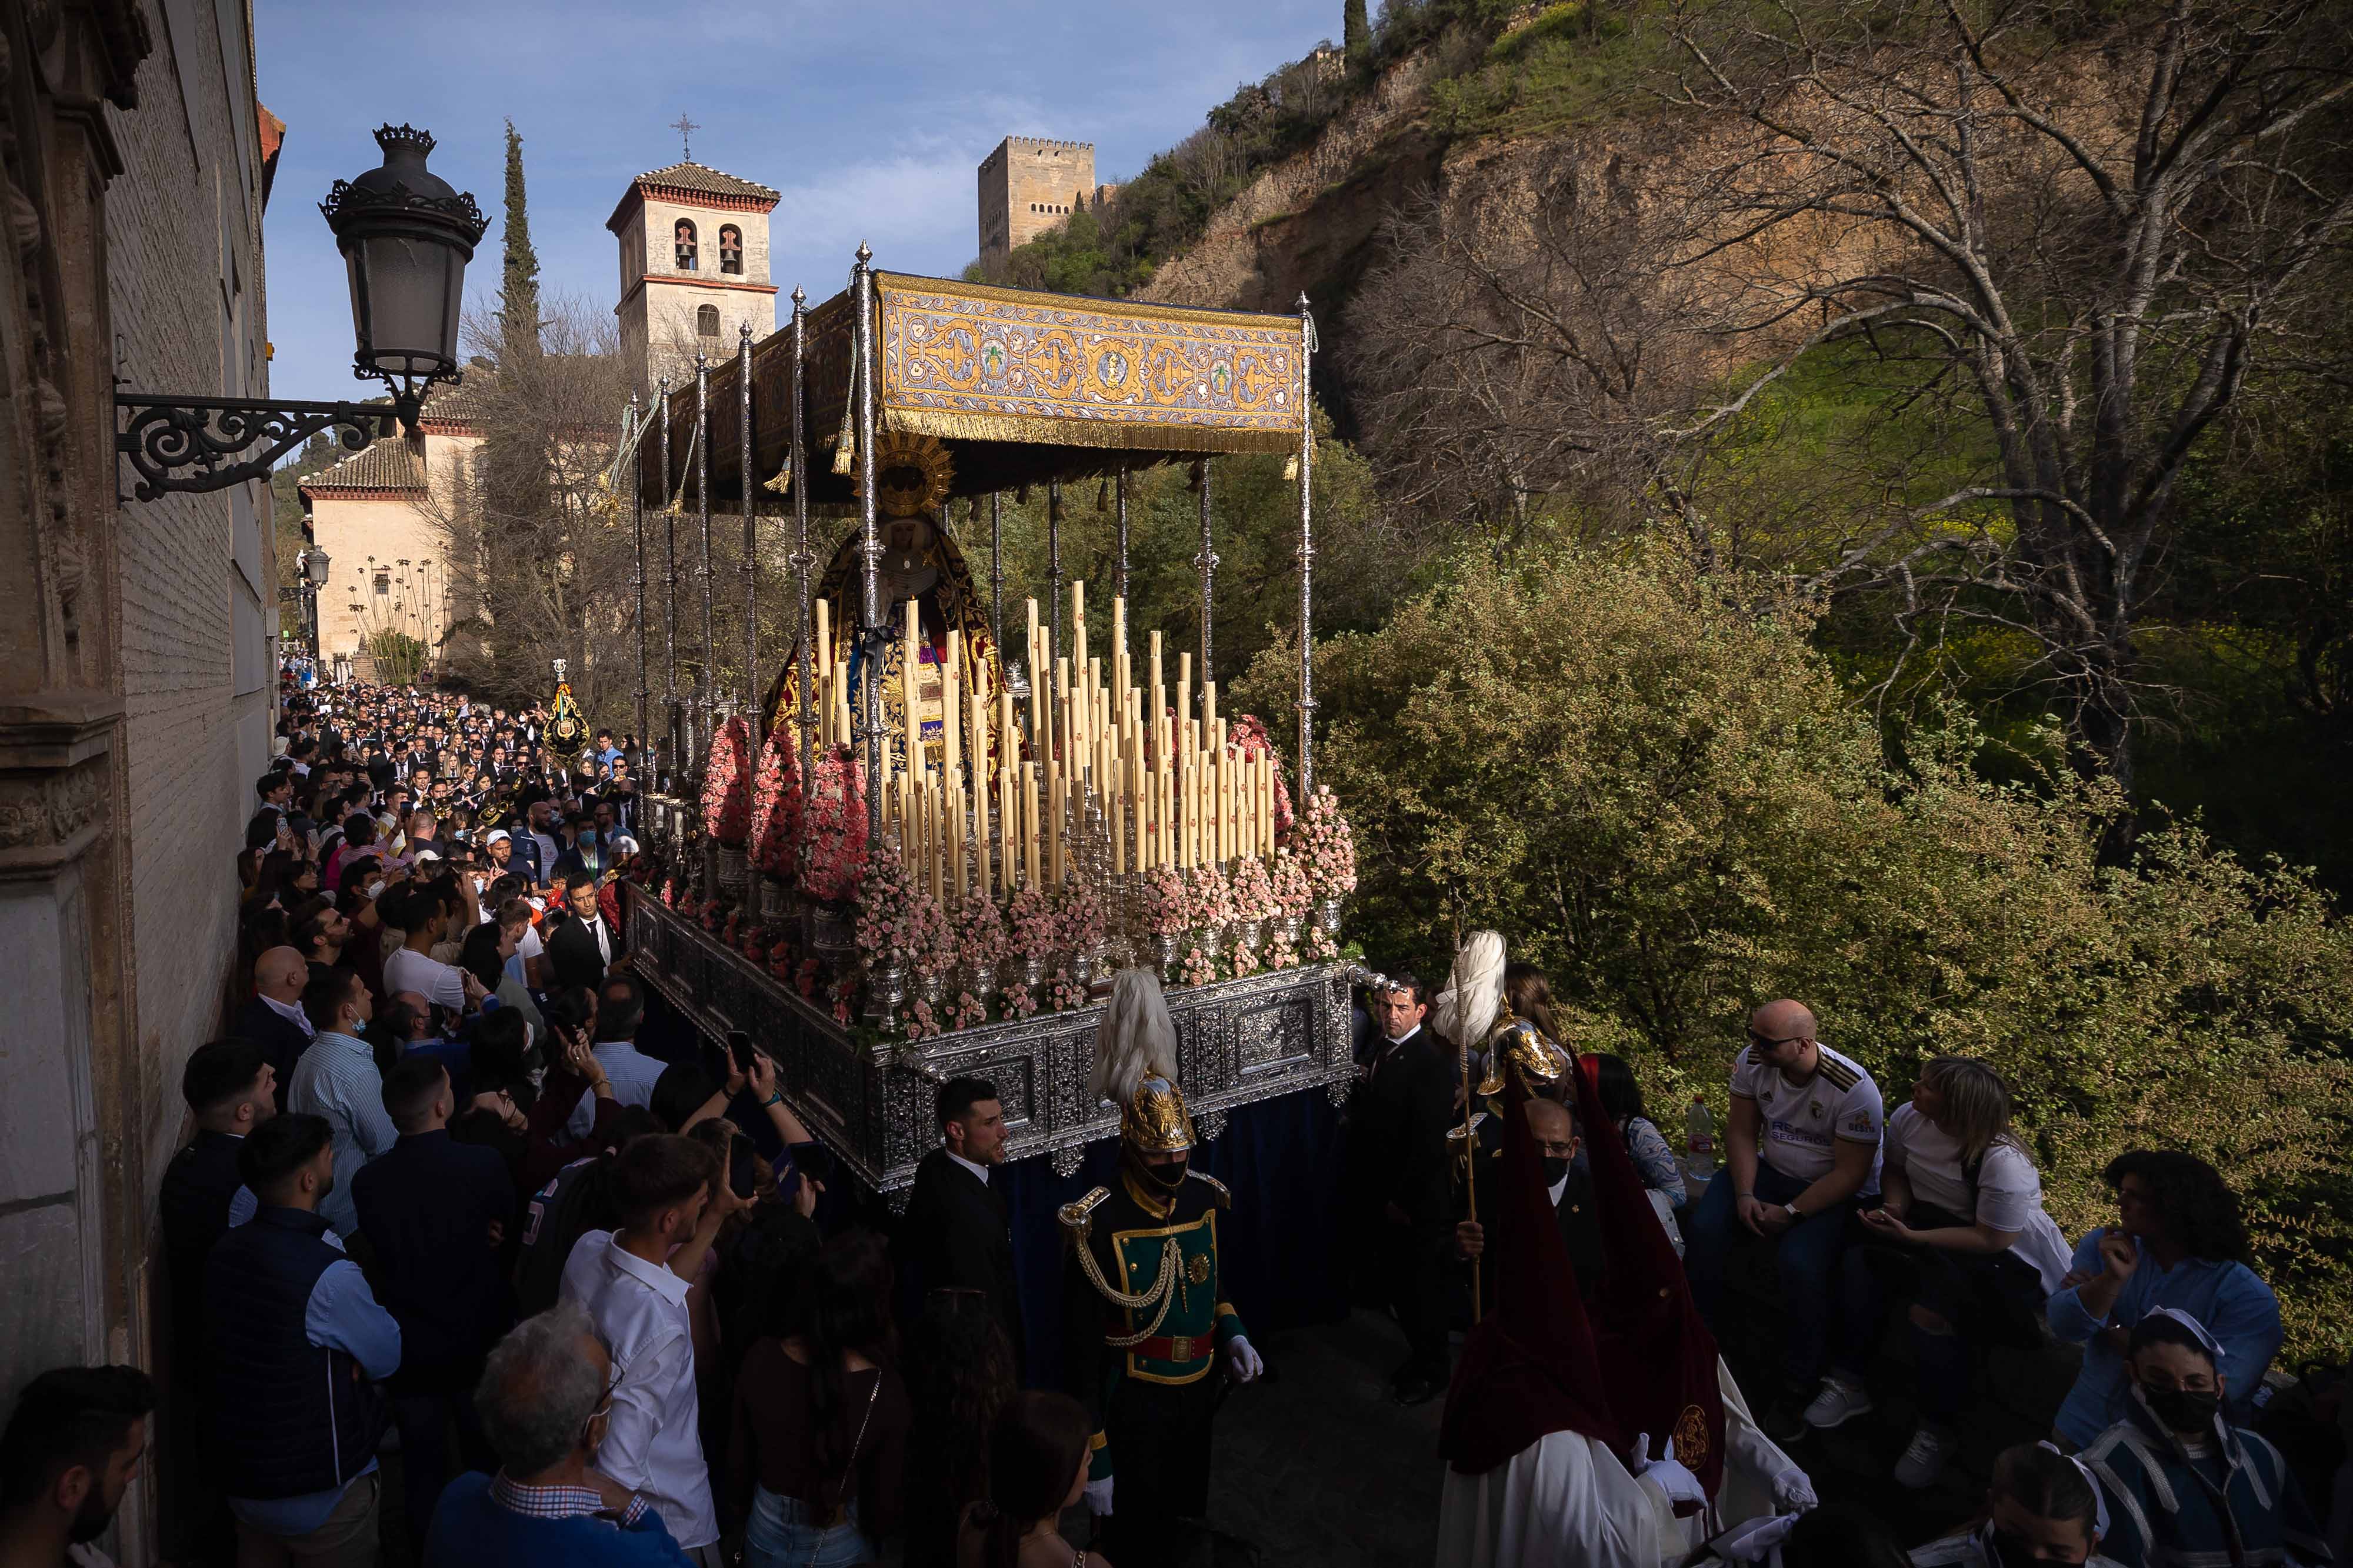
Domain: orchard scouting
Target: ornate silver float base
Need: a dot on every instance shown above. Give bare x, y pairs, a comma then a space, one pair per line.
1238, 1042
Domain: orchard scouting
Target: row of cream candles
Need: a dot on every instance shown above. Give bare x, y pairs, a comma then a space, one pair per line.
1175, 782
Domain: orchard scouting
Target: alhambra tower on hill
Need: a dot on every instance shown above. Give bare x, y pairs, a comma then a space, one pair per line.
695, 266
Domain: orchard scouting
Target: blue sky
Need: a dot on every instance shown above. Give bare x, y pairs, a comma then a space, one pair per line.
870, 117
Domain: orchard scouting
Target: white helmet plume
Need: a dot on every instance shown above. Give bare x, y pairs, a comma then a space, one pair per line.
1473, 996
1136, 1040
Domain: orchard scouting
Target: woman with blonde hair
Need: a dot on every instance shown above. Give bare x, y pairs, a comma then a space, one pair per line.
1961, 1229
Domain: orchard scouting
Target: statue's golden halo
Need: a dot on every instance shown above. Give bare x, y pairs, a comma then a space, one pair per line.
912, 474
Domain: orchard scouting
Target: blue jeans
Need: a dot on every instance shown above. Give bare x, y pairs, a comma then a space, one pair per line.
1806, 1255
784, 1532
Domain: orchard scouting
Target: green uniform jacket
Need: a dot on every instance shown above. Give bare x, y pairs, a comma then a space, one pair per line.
1128, 1232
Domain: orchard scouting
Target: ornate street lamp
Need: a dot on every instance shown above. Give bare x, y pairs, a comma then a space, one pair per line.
405, 238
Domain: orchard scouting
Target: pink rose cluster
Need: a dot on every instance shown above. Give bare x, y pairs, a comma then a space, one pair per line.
1327, 848
776, 807
727, 785
833, 828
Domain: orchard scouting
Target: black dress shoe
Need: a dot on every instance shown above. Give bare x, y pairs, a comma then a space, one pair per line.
1415, 1391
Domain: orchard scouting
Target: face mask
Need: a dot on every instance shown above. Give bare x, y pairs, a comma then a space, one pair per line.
1170, 1175
2181, 1409
1555, 1167
2012, 1552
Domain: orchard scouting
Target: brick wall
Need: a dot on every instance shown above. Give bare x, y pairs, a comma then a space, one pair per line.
197, 596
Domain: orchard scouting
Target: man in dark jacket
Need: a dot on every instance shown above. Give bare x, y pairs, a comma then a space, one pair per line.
273, 1019
230, 1091
584, 946
296, 1336
437, 1212
1396, 1173
958, 1235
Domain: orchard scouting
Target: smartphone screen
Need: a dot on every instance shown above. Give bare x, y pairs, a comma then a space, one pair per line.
739, 1047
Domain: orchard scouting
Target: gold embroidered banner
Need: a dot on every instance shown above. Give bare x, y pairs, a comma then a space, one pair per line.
968, 362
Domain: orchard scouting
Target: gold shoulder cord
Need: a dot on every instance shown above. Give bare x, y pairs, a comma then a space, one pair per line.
1172, 1263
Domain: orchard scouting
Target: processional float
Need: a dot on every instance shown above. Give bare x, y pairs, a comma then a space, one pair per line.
914, 854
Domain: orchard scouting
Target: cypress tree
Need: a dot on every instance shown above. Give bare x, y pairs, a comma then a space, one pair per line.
1356, 35
519, 286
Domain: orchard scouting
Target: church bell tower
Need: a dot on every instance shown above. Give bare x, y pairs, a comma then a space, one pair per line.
695, 268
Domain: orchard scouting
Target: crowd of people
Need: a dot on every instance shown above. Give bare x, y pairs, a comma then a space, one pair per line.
1835, 1215
442, 1196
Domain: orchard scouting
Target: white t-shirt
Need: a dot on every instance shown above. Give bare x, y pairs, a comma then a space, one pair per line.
1802, 1120
438, 982
2010, 1193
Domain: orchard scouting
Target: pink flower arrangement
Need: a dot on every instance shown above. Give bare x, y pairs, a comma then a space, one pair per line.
1035, 932
1210, 900
1167, 909
776, 840
919, 1022
1079, 918
968, 1012
1066, 993
1292, 892
1320, 947
727, 785
833, 828
1327, 848
1254, 890
1280, 952
979, 934
1198, 968
895, 916
1018, 1003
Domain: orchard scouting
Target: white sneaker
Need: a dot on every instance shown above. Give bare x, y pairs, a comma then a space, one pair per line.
1837, 1404
1924, 1461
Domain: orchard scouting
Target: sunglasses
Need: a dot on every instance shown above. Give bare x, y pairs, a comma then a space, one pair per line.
1767, 1042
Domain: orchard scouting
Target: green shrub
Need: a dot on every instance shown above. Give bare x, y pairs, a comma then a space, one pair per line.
1653, 785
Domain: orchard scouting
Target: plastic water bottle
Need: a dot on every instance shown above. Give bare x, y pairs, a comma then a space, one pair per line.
1699, 1138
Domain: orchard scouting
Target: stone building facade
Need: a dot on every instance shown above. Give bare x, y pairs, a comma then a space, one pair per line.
137, 661
1026, 186
382, 517
695, 268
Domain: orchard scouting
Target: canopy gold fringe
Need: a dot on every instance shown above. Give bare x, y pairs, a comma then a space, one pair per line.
1138, 437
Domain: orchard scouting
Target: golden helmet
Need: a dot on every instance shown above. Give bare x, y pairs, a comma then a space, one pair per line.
1156, 1120
1521, 1049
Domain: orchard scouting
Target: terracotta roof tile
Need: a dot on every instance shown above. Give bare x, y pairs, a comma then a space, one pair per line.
458, 405
389, 463
693, 176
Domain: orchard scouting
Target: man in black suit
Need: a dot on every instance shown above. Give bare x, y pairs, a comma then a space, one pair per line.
1569, 1185
1396, 1173
274, 1019
582, 948
958, 1235
229, 1089
436, 1213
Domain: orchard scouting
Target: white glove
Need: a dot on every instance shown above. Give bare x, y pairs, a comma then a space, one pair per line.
1099, 1496
1670, 1474
1242, 1363
1793, 1493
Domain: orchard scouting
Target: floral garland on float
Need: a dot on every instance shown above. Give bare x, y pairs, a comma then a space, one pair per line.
1111, 813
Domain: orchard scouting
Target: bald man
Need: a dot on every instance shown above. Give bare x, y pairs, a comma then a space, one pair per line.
1802, 1152
274, 1019
1569, 1190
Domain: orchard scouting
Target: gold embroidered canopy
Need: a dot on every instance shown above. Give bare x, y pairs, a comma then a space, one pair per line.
1020, 388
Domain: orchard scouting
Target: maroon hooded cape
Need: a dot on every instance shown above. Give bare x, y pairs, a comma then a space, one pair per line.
1643, 1362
